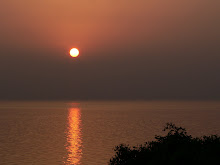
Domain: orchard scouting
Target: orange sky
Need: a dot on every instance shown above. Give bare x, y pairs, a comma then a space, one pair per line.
93, 24
164, 48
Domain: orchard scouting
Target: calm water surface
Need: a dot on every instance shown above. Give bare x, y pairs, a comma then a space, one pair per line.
86, 132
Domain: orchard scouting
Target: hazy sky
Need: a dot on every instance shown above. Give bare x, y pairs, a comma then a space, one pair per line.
130, 49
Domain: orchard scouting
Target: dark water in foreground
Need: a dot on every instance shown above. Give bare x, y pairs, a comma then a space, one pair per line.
85, 133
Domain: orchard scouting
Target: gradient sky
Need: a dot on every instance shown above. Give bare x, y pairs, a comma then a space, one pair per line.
130, 49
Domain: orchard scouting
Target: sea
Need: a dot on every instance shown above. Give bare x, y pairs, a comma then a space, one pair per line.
86, 132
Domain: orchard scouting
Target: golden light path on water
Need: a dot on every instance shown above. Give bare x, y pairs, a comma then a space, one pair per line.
74, 137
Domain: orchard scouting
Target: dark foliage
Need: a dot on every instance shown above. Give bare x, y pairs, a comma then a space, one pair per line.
176, 148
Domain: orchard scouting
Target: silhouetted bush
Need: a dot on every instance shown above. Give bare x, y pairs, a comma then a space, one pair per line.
176, 148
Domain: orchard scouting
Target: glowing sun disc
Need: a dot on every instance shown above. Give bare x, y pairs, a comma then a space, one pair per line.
74, 52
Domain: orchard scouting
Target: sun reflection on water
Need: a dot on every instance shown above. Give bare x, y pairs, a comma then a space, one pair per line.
74, 137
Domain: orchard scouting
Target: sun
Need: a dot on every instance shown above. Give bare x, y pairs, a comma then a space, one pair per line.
74, 52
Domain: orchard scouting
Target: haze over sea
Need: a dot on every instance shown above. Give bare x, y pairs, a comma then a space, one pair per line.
86, 132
